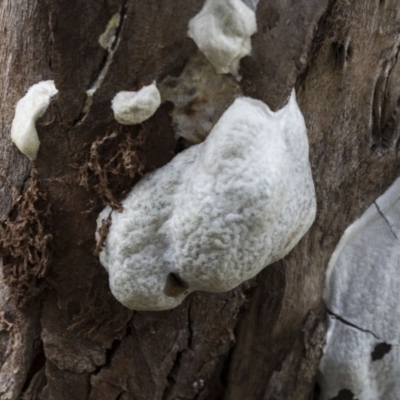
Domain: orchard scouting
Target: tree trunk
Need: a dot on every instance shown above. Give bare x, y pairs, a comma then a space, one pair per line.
62, 334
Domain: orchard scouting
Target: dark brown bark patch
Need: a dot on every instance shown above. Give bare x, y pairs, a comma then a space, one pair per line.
280, 48
26, 243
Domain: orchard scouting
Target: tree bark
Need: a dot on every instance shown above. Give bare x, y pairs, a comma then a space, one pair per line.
62, 334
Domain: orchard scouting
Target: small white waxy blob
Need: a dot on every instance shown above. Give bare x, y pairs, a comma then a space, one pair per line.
217, 214
31, 107
107, 38
362, 293
222, 31
132, 108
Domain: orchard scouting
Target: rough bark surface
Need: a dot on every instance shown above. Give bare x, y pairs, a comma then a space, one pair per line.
71, 339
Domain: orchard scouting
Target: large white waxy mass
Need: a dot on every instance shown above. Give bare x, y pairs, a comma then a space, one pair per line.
222, 31
217, 214
132, 108
362, 353
31, 107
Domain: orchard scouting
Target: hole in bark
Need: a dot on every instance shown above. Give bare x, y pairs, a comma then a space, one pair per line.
384, 136
377, 107
344, 394
317, 392
175, 285
343, 51
380, 350
38, 363
180, 145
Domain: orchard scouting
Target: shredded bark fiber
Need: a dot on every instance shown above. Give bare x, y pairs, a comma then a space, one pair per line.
102, 232
26, 243
114, 161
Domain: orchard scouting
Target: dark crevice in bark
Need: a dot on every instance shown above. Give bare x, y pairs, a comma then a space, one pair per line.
181, 145
172, 374
51, 22
26, 182
110, 353
108, 360
103, 67
224, 376
395, 58
348, 323
383, 131
343, 51
378, 111
190, 326
388, 132
120, 395
386, 220
37, 365
323, 29
316, 393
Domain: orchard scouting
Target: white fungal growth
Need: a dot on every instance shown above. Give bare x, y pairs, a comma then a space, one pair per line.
217, 214
362, 352
132, 108
31, 107
222, 31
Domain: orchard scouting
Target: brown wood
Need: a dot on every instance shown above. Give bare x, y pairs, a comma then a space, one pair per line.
62, 334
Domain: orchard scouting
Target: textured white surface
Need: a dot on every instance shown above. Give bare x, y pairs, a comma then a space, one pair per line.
218, 213
363, 288
31, 107
222, 32
132, 108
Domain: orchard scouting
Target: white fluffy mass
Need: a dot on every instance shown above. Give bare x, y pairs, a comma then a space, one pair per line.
222, 31
217, 214
363, 289
31, 107
132, 108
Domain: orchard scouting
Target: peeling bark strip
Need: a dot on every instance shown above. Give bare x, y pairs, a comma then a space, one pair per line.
259, 341
25, 243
